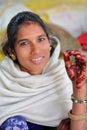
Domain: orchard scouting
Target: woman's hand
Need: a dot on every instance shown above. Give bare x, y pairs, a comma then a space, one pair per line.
77, 71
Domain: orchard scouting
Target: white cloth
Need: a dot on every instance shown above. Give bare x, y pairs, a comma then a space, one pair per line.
42, 99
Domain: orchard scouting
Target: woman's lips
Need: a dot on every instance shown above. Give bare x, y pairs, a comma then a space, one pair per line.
37, 60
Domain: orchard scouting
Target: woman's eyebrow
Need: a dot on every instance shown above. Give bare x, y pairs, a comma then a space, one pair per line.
43, 35
21, 40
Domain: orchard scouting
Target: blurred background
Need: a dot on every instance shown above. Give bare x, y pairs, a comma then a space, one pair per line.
67, 19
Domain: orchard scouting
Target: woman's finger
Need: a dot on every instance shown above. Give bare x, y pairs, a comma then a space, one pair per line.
69, 67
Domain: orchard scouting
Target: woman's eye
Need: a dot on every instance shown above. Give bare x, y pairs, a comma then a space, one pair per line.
24, 43
41, 39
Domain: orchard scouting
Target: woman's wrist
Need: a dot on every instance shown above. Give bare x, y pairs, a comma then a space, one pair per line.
79, 92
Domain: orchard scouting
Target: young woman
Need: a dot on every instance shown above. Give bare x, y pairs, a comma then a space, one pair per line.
35, 90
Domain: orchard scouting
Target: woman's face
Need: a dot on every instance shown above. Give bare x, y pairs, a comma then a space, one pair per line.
32, 48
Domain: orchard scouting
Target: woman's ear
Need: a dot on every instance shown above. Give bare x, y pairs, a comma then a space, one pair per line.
53, 41
9, 50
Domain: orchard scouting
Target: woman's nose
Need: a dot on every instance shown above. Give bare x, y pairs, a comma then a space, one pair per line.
35, 49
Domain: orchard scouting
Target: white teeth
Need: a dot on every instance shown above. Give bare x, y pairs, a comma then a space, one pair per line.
37, 59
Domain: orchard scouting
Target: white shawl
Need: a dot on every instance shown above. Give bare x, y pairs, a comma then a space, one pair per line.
42, 99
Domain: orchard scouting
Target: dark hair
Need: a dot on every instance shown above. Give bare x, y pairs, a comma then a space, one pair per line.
14, 24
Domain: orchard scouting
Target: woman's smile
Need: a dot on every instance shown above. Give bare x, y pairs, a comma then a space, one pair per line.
37, 60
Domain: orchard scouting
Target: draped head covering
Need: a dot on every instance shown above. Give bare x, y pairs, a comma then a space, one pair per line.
42, 99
